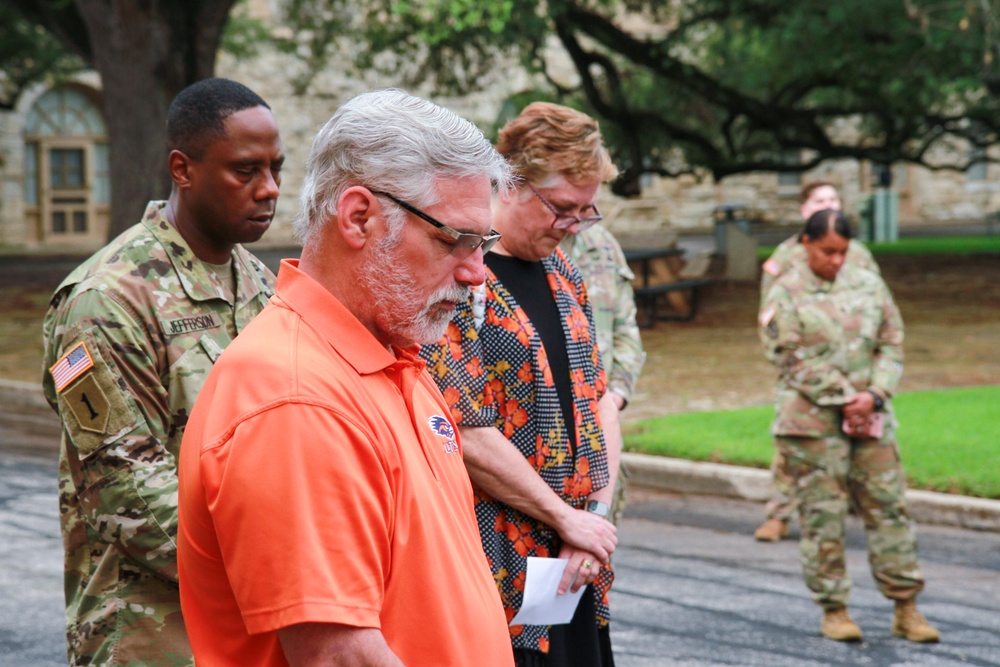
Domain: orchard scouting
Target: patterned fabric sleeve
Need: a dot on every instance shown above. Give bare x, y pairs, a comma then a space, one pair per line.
126, 477
862, 257
456, 364
493, 370
629, 356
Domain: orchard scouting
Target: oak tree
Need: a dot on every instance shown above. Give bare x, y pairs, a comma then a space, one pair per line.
727, 86
146, 51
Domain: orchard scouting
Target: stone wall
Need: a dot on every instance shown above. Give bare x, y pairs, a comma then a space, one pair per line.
11, 210
299, 116
15, 231
682, 204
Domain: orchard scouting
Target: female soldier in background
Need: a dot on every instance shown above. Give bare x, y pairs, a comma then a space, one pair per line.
835, 335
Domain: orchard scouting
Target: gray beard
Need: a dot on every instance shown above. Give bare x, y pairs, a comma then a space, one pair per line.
393, 295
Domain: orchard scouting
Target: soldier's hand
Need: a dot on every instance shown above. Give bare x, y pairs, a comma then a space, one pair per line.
858, 408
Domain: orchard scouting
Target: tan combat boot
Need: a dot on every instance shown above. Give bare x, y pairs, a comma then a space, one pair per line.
771, 530
837, 625
911, 624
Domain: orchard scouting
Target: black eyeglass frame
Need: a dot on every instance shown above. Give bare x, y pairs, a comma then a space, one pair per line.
568, 219
467, 243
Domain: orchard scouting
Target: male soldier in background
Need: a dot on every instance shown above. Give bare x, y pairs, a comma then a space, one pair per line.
608, 279
815, 196
130, 336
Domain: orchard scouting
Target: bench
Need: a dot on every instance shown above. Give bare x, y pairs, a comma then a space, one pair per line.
647, 299
662, 270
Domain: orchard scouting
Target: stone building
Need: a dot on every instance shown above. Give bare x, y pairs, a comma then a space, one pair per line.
54, 185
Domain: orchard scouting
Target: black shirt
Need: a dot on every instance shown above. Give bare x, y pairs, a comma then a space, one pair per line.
529, 285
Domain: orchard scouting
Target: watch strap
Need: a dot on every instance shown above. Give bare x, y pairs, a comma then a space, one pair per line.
599, 508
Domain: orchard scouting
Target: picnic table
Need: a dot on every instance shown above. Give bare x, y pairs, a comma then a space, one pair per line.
656, 278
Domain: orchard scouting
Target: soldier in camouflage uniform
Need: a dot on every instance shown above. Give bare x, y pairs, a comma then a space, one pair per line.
815, 196
608, 279
130, 336
835, 335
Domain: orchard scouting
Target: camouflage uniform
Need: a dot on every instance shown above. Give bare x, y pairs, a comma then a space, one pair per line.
789, 253
607, 276
608, 279
131, 334
830, 340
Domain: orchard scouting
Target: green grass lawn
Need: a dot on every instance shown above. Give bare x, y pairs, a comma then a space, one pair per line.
940, 245
949, 439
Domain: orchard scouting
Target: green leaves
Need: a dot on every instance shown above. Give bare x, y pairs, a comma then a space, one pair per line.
29, 54
244, 35
723, 86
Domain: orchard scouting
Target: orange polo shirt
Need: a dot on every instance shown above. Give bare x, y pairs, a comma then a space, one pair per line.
321, 480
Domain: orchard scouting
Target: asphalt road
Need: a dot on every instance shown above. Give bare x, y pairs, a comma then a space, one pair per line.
693, 588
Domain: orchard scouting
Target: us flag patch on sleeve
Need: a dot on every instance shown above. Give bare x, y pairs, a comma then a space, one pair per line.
73, 364
772, 267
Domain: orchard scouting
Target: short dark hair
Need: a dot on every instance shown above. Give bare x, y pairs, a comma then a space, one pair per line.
196, 116
823, 222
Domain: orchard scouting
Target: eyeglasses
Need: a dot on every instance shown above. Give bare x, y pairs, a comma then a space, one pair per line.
566, 220
465, 244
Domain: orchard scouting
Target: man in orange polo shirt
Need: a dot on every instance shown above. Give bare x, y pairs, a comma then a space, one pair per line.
325, 511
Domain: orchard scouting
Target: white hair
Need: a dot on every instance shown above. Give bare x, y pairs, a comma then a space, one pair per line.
392, 141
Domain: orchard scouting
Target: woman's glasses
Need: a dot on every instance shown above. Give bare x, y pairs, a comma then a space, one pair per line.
567, 220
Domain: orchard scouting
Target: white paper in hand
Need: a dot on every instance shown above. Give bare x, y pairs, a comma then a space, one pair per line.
541, 605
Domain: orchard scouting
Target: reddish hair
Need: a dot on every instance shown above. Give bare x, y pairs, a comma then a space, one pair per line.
547, 139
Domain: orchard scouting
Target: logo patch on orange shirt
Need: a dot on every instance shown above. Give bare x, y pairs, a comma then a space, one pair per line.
443, 428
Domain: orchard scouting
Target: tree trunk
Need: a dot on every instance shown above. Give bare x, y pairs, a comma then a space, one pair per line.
146, 51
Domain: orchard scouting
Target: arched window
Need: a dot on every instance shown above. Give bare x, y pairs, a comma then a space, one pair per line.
67, 178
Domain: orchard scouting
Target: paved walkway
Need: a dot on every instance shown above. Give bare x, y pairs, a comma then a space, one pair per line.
692, 588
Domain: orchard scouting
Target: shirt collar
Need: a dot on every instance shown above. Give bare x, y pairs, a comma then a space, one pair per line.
324, 312
817, 284
805, 277
192, 271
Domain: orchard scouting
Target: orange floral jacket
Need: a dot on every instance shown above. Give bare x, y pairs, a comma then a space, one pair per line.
492, 368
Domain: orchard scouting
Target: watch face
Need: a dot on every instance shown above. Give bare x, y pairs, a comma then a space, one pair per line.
879, 402
599, 508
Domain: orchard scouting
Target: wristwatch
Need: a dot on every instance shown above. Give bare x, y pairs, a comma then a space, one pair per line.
599, 508
879, 402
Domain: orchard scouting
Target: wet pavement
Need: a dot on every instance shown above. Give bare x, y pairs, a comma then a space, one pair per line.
31, 597
693, 588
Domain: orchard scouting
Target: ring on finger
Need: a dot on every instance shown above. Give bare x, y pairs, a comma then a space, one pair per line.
587, 564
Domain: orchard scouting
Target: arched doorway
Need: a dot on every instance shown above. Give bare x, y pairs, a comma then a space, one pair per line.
67, 189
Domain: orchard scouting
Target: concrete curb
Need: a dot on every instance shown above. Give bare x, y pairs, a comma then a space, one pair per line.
680, 476
30, 425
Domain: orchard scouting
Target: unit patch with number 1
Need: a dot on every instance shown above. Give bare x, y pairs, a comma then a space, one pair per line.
85, 399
